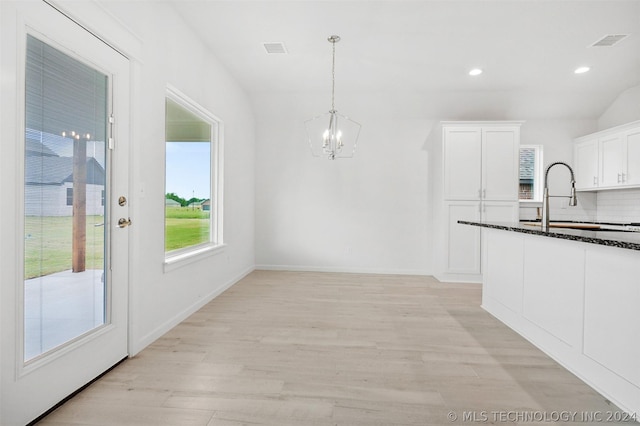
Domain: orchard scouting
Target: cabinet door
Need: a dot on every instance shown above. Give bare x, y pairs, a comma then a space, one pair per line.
463, 241
611, 316
462, 161
585, 156
500, 161
496, 211
610, 161
631, 156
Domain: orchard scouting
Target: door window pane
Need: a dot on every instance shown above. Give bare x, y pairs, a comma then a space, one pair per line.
65, 176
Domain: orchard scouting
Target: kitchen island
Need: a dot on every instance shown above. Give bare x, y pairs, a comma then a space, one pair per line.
573, 293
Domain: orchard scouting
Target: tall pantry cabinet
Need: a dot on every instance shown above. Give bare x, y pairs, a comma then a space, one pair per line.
480, 183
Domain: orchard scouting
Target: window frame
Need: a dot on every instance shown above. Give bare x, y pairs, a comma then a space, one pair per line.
538, 184
182, 256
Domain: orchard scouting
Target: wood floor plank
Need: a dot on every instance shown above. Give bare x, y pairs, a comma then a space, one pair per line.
320, 349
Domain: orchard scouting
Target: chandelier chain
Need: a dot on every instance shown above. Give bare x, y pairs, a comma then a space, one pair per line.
333, 78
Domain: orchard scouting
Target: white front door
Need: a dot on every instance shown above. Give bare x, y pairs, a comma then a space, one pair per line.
64, 285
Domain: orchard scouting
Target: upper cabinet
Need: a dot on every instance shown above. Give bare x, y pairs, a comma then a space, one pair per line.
631, 156
481, 161
609, 159
585, 159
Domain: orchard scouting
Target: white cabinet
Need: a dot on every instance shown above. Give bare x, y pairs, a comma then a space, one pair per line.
631, 156
480, 182
500, 163
462, 241
609, 159
576, 301
462, 163
611, 316
481, 163
585, 154
553, 278
500, 211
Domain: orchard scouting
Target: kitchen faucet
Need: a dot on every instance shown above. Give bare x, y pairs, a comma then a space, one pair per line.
573, 200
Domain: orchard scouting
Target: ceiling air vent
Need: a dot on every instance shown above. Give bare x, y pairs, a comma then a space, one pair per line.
609, 40
274, 47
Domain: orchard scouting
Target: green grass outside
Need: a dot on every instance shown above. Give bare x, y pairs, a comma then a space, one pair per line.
47, 244
48, 239
185, 227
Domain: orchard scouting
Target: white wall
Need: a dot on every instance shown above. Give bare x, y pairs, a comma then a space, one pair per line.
365, 214
624, 109
172, 54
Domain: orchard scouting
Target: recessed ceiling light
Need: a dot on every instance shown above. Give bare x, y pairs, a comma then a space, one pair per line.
581, 70
475, 71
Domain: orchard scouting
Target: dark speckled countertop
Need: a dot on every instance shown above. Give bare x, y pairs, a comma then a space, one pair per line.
626, 240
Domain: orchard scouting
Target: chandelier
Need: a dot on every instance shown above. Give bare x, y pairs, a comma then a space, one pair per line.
332, 135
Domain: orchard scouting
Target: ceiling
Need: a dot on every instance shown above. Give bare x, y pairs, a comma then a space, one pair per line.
528, 49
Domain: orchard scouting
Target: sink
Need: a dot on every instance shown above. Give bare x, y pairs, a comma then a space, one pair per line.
570, 225
584, 226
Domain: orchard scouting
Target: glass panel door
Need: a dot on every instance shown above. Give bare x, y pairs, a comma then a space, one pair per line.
64, 294
64, 192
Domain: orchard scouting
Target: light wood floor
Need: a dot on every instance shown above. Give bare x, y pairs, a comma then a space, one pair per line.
293, 348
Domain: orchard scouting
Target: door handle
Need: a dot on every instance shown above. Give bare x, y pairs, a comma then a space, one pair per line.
123, 223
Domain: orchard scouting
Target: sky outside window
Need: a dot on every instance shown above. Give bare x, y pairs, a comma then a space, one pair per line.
188, 169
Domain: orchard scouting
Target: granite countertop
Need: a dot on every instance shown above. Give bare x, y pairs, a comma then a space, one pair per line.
621, 239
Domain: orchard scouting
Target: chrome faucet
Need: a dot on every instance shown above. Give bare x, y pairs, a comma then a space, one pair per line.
573, 200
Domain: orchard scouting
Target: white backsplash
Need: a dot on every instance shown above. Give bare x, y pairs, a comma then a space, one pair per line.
619, 206
614, 206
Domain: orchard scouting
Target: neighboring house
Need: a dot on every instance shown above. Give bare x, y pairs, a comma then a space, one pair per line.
168, 202
206, 205
527, 172
195, 205
49, 183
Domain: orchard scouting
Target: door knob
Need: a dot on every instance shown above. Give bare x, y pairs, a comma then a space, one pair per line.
123, 223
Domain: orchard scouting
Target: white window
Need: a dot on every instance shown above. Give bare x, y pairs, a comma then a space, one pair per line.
193, 163
531, 173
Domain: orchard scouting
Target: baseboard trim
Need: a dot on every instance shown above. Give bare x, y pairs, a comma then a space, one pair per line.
380, 271
137, 347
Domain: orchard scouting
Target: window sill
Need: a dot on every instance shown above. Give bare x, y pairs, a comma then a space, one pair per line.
531, 203
179, 260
